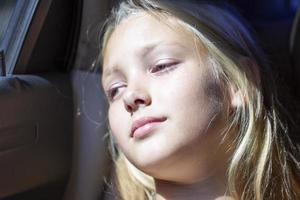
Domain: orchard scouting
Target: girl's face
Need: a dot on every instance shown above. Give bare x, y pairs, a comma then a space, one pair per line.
165, 108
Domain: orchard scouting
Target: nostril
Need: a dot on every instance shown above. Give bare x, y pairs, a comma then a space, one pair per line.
139, 101
133, 100
129, 108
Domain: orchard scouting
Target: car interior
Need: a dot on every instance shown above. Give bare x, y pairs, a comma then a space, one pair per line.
53, 124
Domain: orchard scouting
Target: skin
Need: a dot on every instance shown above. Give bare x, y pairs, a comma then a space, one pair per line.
158, 69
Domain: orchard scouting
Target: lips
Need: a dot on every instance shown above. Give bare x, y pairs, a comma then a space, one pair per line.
144, 123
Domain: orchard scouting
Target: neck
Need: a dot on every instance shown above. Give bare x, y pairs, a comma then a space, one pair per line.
209, 189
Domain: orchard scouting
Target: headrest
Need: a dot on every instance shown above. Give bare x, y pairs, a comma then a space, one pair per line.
295, 42
295, 51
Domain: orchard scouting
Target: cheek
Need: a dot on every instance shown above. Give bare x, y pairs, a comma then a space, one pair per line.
196, 99
118, 122
189, 92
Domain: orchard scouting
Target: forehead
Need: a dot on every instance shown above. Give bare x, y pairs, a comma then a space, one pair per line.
141, 32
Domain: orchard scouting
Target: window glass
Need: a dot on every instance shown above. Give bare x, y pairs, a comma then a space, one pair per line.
6, 11
15, 18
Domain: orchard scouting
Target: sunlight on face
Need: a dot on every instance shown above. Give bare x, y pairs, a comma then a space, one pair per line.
165, 107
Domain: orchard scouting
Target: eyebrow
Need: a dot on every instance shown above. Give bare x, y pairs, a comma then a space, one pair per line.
151, 47
108, 73
147, 49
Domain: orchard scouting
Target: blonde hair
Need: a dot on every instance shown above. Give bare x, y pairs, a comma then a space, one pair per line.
264, 163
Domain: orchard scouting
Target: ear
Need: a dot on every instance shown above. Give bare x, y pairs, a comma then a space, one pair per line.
237, 98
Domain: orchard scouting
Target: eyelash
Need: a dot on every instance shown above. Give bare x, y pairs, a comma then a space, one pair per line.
111, 93
164, 67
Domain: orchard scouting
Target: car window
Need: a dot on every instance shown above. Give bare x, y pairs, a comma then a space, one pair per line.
6, 10
15, 18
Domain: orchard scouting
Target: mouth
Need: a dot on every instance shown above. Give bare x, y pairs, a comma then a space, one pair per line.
144, 126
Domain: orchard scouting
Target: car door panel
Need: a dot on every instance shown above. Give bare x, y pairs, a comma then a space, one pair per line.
35, 131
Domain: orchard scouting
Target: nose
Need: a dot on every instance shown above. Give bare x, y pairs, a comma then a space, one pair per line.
133, 99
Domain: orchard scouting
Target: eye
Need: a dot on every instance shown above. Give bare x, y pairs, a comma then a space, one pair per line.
114, 91
163, 67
